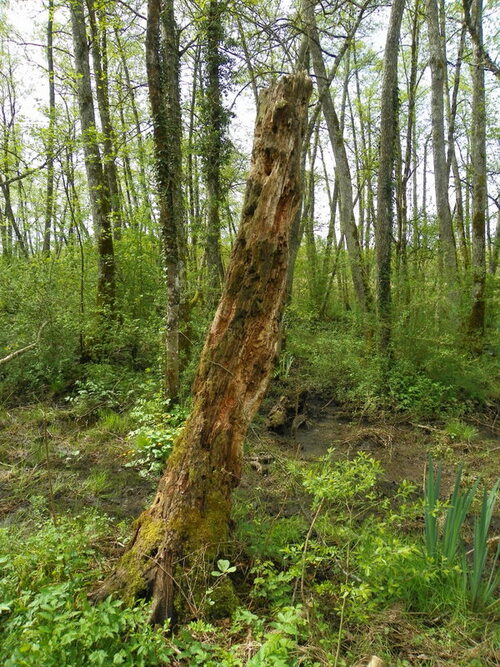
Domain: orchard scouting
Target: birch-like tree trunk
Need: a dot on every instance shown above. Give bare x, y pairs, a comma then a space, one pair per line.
49, 196
343, 173
438, 78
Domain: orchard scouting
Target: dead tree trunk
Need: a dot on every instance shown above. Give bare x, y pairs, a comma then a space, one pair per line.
188, 519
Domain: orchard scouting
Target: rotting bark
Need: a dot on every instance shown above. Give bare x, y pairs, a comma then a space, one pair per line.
189, 517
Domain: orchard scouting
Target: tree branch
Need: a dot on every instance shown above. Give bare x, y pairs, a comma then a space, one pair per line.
22, 350
487, 63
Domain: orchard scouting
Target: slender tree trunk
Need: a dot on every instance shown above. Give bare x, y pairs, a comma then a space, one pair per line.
409, 146
484, 59
388, 125
452, 156
347, 220
188, 519
438, 76
496, 245
98, 187
98, 31
163, 61
331, 237
9, 214
192, 171
49, 196
215, 145
479, 191
141, 150
313, 277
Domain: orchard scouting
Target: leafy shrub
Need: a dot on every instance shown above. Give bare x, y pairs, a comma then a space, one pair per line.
415, 393
154, 438
105, 387
45, 616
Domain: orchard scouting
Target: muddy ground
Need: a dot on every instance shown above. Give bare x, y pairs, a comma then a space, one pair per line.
79, 463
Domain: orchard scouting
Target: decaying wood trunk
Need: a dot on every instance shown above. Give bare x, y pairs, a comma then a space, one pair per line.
190, 513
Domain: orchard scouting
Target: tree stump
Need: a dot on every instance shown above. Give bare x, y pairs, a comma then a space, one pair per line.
189, 517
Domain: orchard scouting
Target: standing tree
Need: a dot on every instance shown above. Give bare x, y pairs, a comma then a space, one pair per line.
49, 197
162, 63
438, 77
479, 191
188, 519
98, 33
215, 142
343, 173
388, 127
97, 184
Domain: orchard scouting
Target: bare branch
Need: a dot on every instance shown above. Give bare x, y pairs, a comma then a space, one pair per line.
22, 350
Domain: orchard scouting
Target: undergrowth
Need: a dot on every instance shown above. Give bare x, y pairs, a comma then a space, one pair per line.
351, 562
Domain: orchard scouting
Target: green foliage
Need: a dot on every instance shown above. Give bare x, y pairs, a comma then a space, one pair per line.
431, 373
342, 481
223, 567
152, 441
45, 616
481, 587
460, 431
417, 394
60, 291
444, 548
265, 537
104, 387
280, 644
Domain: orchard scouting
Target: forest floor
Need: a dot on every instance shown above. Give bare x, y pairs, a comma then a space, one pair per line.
76, 461
50, 457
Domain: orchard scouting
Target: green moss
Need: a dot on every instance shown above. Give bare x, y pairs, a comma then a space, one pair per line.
132, 564
222, 601
201, 531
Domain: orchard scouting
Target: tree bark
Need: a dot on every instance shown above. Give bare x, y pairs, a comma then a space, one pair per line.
215, 144
98, 187
188, 519
438, 71
163, 61
98, 31
479, 191
388, 125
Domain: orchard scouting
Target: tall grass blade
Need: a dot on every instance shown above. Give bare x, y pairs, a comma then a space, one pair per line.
455, 516
432, 490
481, 591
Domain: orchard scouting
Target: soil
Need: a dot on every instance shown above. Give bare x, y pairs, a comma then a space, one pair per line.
74, 465
77, 451
402, 448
